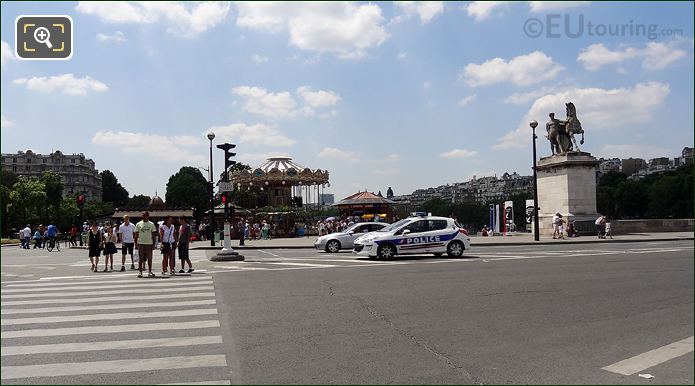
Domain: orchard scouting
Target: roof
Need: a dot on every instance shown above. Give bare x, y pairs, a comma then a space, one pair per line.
281, 163
364, 198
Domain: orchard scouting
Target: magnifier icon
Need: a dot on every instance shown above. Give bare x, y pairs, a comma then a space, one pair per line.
42, 35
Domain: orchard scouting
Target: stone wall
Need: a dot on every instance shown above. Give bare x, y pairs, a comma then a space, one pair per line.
651, 225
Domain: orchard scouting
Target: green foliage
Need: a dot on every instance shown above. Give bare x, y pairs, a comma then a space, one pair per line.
112, 191
27, 199
53, 188
188, 188
138, 201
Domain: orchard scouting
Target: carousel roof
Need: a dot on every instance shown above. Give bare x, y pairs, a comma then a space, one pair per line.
363, 198
283, 164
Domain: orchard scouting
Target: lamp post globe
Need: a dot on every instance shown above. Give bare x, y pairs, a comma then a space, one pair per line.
533, 124
211, 136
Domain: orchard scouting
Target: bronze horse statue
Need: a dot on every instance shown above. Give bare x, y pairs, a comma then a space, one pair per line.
561, 133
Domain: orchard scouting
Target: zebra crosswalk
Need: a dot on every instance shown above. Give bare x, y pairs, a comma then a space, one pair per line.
76, 331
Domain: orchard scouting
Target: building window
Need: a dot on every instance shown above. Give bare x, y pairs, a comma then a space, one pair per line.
14, 159
72, 161
44, 160
28, 160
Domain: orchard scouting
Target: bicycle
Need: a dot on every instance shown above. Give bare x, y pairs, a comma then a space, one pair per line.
53, 242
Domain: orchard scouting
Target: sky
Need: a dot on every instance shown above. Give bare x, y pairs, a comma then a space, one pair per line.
405, 95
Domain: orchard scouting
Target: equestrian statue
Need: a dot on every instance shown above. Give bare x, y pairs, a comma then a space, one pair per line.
561, 133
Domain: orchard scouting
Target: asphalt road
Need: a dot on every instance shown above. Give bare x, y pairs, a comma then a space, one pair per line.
524, 314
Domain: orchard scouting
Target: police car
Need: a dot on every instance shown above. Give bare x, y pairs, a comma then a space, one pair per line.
418, 234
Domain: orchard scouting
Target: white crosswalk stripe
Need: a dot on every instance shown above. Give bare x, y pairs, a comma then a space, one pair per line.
77, 330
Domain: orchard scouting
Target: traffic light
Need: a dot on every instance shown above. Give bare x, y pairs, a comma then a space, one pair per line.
223, 196
80, 200
228, 162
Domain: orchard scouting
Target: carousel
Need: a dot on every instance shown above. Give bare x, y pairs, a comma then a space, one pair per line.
282, 180
287, 188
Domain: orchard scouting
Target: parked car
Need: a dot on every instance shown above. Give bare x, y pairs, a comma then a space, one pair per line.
334, 242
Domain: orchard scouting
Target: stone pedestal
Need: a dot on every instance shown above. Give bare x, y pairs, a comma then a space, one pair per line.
566, 185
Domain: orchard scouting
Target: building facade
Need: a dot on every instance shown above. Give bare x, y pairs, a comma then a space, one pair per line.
77, 173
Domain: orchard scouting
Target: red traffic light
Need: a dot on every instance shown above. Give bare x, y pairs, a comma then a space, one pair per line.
80, 199
224, 198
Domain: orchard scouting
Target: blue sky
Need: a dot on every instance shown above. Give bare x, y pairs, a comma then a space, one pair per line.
407, 95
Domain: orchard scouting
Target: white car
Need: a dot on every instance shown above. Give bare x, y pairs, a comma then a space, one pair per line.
418, 234
334, 242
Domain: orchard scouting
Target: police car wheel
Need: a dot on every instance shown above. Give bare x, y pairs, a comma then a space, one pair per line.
455, 249
333, 246
386, 251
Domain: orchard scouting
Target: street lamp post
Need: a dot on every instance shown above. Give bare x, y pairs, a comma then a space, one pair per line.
211, 185
536, 235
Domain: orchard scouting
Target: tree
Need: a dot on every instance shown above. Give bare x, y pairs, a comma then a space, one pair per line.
631, 199
188, 188
53, 186
8, 179
139, 201
27, 197
112, 191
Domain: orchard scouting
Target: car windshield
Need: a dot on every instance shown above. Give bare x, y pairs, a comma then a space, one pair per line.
394, 226
350, 228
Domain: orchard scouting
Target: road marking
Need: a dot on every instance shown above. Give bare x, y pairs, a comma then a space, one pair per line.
100, 286
301, 264
15, 311
100, 329
112, 345
106, 299
651, 358
241, 268
44, 283
116, 316
109, 367
269, 253
353, 260
117, 292
201, 383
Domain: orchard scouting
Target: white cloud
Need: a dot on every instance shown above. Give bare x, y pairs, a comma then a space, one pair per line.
259, 101
5, 123
258, 59
459, 153
402, 55
343, 155
426, 85
481, 10
466, 100
655, 55
258, 134
544, 6
597, 109
521, 70
320, 98
67, 83
392, 158
425, 10
183, 18
634, 151
6, 55
282, 104
347, 30
118, 37
520, 98
155, 145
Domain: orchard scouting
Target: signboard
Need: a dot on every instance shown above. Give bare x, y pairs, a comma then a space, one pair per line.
509, 216
529, 211
226, 186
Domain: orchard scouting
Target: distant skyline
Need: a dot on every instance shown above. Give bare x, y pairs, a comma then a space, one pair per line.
404, 94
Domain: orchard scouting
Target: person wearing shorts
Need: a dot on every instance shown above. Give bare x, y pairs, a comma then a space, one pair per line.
145, 231
126, 230
184, 237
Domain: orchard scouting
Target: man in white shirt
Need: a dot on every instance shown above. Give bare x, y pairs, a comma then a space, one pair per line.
126, 231
26, 236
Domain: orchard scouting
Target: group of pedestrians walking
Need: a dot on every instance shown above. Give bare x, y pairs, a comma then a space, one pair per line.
142, 237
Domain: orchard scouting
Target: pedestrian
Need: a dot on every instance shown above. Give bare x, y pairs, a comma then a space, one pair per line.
166, 235
184, 238
600, 221
555, 225
26, 236
483, 232
126, 230
37, 239
145, 231
95, 243
73, 235
571, 230
109, 248
265, 228
608, 232
561, 227
241, 230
